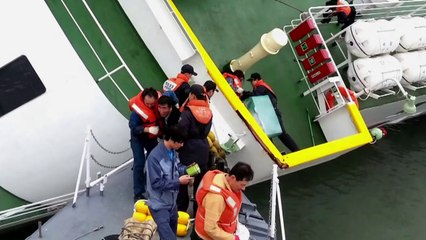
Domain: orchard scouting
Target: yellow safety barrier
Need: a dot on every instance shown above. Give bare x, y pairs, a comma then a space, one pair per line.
290, 159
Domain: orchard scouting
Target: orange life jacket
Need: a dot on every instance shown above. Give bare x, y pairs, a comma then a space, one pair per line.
228, 219
343, 6
330, 98
200, 110
172, 84
263, 83
147, 115
236, 82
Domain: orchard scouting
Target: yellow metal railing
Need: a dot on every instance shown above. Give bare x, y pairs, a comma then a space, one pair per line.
290, 159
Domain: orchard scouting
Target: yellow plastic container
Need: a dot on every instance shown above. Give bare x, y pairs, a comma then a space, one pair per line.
182, 230
183, 218
140, 217
140, 206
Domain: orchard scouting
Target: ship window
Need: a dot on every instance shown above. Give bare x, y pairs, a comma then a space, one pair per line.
19, 84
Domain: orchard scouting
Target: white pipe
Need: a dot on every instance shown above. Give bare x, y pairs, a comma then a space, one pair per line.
280, 211
273, 201
88, 178
368, 90
24, 207
270, 44
110, 173
80, 170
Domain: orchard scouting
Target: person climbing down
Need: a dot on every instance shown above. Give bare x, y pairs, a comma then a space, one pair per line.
260, 88
344, 12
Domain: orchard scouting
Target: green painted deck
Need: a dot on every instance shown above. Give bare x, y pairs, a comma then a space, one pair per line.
228, 29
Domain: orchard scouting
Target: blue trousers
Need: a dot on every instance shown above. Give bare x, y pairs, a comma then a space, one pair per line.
166, 220
138, 146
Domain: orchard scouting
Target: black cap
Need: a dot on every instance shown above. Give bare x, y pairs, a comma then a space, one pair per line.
210, 85
254, 76
188, 69
197, 90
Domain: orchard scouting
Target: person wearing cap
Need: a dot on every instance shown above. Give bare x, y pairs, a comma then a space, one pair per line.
143, 135
260, 88
180, 84
235, 80
210, 87
196, 120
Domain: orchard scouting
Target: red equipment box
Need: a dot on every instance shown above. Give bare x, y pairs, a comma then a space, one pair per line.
315, 59
310, 43
302, 29
321, 72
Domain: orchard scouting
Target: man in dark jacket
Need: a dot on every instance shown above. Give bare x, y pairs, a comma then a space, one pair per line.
260, 88
168, 113
196, 120
180, 84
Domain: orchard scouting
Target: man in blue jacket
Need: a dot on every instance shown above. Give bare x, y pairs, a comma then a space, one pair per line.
164, 175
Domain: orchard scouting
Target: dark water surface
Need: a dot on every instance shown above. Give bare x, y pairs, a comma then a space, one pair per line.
373, 193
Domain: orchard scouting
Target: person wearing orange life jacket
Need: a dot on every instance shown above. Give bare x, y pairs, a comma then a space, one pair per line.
260, 88
143, 134
219, 198
235, 80
344, 12
196, 120
180, 84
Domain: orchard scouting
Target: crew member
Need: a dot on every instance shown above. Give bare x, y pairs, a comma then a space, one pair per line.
180, 84
344, 12
235, 80
196, 120
143, 135
210, 87
164, 175
168, 114
260, 88
219, 199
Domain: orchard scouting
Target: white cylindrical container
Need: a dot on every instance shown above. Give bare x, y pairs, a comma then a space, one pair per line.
270, 44
374, 73
373, 37
413, 66
360, 8
413, 32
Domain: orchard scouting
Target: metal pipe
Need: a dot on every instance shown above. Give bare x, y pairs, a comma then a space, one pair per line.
80, 170
110, 173
280, 210
88, 178
273, 201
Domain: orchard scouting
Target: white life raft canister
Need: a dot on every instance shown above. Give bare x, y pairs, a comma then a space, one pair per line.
413, 66
372, 37
413, 32
374, 73
372, 5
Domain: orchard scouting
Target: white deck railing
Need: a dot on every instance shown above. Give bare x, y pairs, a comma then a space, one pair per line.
275, 200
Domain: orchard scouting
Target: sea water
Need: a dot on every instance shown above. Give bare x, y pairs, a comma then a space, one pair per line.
375, 192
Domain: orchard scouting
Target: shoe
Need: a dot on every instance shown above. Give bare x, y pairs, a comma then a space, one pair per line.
138, 197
